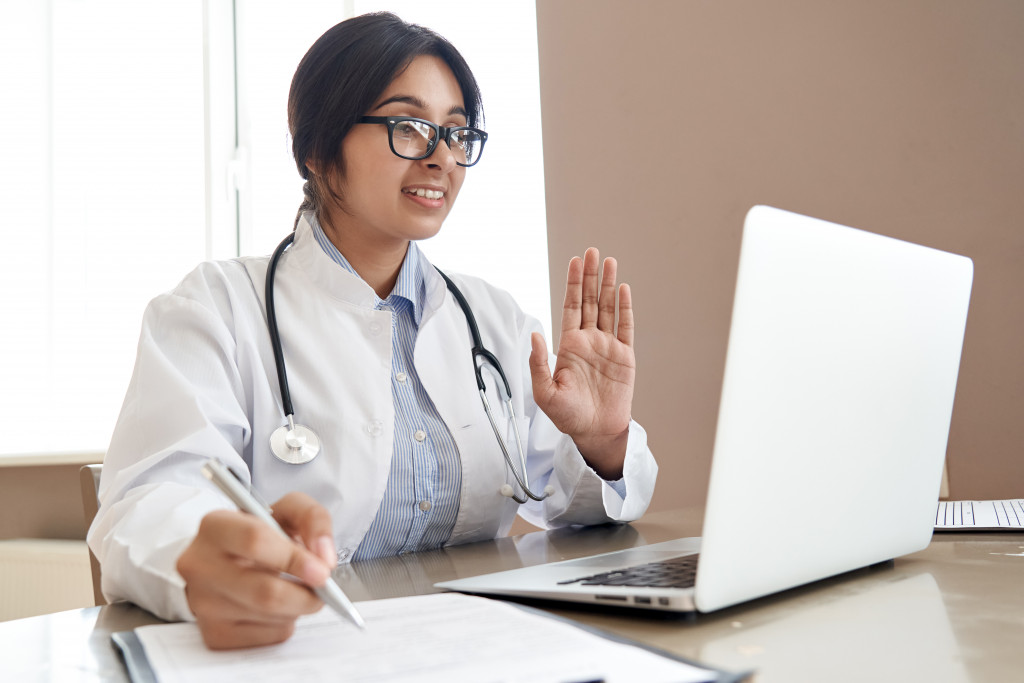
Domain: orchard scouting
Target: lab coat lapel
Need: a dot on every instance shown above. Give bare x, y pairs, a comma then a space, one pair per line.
333, 340
445, 366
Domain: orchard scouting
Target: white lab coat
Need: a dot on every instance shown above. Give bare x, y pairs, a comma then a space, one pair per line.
205, 386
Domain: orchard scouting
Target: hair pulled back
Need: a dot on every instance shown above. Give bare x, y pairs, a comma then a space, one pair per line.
342, 76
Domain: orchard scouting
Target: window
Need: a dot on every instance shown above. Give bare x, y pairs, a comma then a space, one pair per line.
147, 137
102, 203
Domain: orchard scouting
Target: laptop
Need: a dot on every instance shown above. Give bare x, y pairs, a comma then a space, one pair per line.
840, 373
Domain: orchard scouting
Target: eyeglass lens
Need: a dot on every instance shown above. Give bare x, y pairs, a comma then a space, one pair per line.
414, 139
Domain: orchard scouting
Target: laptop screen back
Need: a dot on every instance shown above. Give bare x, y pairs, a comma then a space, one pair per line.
839, 382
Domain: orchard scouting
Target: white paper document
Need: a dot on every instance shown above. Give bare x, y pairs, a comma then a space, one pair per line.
977, 515
439, 637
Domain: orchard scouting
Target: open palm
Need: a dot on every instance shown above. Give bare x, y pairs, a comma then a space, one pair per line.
590, 394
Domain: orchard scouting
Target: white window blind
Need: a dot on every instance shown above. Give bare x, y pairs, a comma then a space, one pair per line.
124, 168
102, 204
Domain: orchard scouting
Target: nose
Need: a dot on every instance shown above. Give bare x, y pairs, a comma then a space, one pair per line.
442, 157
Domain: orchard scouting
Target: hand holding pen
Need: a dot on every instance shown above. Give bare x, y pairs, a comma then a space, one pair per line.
233, 569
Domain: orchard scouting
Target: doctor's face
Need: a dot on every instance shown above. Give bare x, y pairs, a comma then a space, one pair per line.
388, 200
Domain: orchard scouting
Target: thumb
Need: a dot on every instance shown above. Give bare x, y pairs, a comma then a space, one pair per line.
540, 372
301, 516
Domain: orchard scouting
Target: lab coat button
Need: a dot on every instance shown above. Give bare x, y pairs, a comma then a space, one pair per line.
419, 435
343, 554
424, 505
375, 328
374, 427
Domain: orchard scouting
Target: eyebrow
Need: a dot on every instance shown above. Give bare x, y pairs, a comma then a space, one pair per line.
418, 103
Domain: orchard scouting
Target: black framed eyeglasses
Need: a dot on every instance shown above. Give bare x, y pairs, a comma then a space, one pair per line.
412, 138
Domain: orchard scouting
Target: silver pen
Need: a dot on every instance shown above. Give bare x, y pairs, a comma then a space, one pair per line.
240, 495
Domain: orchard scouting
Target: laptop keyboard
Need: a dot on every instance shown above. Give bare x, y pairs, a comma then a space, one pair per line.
980, 514
678, 572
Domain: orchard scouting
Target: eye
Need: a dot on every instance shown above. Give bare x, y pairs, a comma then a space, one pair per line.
413, 130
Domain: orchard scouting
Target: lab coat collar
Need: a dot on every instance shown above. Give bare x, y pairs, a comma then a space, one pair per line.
346, 286
435, 288
409, 285
306, 256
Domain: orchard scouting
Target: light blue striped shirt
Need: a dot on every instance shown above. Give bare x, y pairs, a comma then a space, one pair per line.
421, 501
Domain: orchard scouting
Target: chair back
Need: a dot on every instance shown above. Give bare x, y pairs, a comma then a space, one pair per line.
89, 477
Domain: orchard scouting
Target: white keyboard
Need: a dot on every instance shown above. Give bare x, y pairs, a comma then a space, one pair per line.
978, 515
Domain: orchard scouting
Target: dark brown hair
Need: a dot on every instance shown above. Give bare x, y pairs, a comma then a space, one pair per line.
342, 76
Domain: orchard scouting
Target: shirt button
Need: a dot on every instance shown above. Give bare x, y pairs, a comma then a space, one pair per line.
424, 505
419, 435
374, 427
401, 377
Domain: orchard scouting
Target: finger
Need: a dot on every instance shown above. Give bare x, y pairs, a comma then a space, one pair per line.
231, 635
590, 294
540, 372
606, 305
221, 584
301, 516
626, 325
253, 540
248, 593
571, 307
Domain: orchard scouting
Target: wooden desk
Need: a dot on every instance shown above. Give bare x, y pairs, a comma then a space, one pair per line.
952, 612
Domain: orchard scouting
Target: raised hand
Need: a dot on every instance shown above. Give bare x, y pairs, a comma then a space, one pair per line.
590, 394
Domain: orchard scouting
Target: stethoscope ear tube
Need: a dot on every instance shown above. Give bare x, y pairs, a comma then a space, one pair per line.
524, 480
474, 329
275, 338
293, 443
478, 349
482, 356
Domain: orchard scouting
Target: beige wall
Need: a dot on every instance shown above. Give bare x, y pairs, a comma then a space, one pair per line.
665, 121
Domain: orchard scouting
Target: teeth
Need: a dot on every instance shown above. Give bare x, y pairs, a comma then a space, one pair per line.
429, 194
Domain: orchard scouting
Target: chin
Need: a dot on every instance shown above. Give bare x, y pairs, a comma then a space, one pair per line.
423, 232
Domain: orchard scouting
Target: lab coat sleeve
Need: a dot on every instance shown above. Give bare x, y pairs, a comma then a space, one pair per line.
580, 495
184, 404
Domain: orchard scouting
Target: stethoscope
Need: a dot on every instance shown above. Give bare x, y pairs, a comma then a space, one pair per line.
297, 444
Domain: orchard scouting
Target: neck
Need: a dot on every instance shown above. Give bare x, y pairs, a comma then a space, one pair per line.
376, 261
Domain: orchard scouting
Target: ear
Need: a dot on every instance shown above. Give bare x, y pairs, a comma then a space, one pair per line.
313, 167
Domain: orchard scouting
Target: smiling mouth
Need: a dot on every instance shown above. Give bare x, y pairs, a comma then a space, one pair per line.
427, 194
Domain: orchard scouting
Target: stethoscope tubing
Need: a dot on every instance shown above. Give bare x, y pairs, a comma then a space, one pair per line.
296, 454
275, 337
478, 350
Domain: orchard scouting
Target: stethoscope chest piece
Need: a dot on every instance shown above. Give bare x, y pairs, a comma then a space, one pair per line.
294, 444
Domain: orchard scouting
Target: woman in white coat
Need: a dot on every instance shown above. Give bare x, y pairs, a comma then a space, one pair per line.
379, 365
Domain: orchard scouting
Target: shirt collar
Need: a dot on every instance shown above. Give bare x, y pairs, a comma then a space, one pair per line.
410, 285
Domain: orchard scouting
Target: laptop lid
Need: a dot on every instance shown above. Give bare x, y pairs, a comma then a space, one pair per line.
840, 373
841, 367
